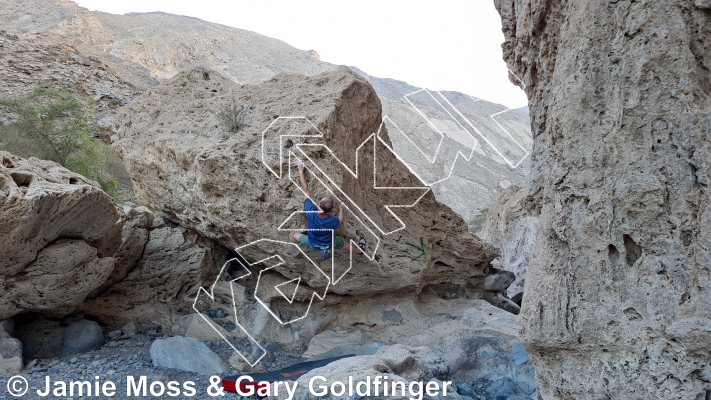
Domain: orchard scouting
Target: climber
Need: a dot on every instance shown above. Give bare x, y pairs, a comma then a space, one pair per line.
319, 224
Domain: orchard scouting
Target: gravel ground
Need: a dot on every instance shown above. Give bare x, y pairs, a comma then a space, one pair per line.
123, 357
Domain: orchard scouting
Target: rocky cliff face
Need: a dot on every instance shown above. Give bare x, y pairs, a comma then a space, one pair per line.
619, 99
185, 163
241, 189
66, 247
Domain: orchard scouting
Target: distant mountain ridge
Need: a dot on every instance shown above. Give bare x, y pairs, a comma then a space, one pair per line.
145, 48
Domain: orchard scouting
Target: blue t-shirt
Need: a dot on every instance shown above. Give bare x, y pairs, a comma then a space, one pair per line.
321, 238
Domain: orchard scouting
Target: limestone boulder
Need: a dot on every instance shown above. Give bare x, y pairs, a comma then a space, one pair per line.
10, 354
618, 303
58, 281
512, 230
397, 360
135, 228
241, 187
82, 336
408, 364
470, 342
56, 238
186, 354
200, 327
174, 264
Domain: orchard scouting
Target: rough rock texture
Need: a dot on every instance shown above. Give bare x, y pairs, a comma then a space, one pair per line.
159, 43
10, 354
174, 264
135, 226
195, 326
510, 228
185, 163
56, 237
619, 98
45, 59
499, 281
129, 330
63, 240
398, 363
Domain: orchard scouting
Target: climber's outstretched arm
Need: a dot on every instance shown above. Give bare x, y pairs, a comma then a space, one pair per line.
304, 185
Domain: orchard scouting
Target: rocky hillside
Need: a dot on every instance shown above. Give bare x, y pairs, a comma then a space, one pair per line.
477, 155
144, 47
36, 60
237, 188
162, 43
618, 303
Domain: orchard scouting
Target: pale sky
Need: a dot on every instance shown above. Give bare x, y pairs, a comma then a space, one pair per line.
439, 45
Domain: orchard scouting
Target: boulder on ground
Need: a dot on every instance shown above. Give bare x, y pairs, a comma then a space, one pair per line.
57, 282
365, 349
499, 280
468, 341
82, 336
200, 327
391, 363
52, 223
512, 230
328, 340
185, 162
10, 354
186, 354
129, 330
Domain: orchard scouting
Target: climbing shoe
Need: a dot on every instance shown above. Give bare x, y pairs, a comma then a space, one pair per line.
361, 244
325, 253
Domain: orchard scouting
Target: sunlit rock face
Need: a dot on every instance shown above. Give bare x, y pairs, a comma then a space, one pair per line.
240, 187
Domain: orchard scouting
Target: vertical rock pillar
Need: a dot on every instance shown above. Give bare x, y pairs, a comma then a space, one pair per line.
618, 299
